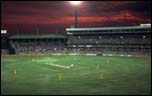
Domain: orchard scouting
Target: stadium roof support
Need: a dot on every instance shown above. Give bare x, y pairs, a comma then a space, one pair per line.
38, 36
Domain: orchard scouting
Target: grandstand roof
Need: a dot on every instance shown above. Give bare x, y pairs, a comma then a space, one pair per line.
38, 36
107, 28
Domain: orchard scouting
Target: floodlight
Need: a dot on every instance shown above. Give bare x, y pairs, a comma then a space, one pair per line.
75, 2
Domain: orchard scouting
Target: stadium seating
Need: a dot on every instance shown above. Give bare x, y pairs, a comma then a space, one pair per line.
37, 47
114, 41
120, 41
4, 51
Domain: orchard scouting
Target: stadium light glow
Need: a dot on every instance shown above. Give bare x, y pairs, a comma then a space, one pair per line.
75, 2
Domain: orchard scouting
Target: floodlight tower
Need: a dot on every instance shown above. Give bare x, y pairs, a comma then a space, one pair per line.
75, 4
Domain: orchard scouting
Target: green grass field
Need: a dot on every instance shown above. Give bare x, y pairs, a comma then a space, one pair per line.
91, 75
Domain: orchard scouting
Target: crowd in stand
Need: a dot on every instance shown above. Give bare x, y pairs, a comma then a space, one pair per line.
118, 43
98, 44
38, 47
112, 50
116, 39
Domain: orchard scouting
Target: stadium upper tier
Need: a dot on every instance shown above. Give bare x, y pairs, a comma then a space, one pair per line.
128, 29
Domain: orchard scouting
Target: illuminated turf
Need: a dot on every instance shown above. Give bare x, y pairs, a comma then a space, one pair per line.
90, 75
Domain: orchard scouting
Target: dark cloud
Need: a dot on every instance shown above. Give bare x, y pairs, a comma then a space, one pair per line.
140, 6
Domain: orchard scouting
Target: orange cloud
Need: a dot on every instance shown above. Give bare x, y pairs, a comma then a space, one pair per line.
125, 15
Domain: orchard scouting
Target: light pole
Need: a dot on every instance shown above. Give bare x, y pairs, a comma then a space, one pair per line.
76, 17
75, 3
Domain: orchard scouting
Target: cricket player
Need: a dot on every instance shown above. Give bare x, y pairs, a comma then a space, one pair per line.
71, 66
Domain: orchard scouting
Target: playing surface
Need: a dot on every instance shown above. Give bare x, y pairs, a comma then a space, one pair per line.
91, 75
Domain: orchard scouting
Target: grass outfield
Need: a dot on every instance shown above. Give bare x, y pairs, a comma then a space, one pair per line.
91, 75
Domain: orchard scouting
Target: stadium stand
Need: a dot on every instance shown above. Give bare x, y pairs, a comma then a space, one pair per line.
110, 40
106, 40
4, 43
38, 44
4, 51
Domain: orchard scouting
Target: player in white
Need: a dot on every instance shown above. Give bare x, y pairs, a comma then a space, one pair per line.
71, 66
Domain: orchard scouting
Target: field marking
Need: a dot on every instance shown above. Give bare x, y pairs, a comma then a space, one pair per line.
57, 65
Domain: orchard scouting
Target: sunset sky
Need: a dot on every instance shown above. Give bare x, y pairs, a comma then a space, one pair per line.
55, 16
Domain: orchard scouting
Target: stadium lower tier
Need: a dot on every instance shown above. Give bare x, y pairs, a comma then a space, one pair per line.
103, 49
